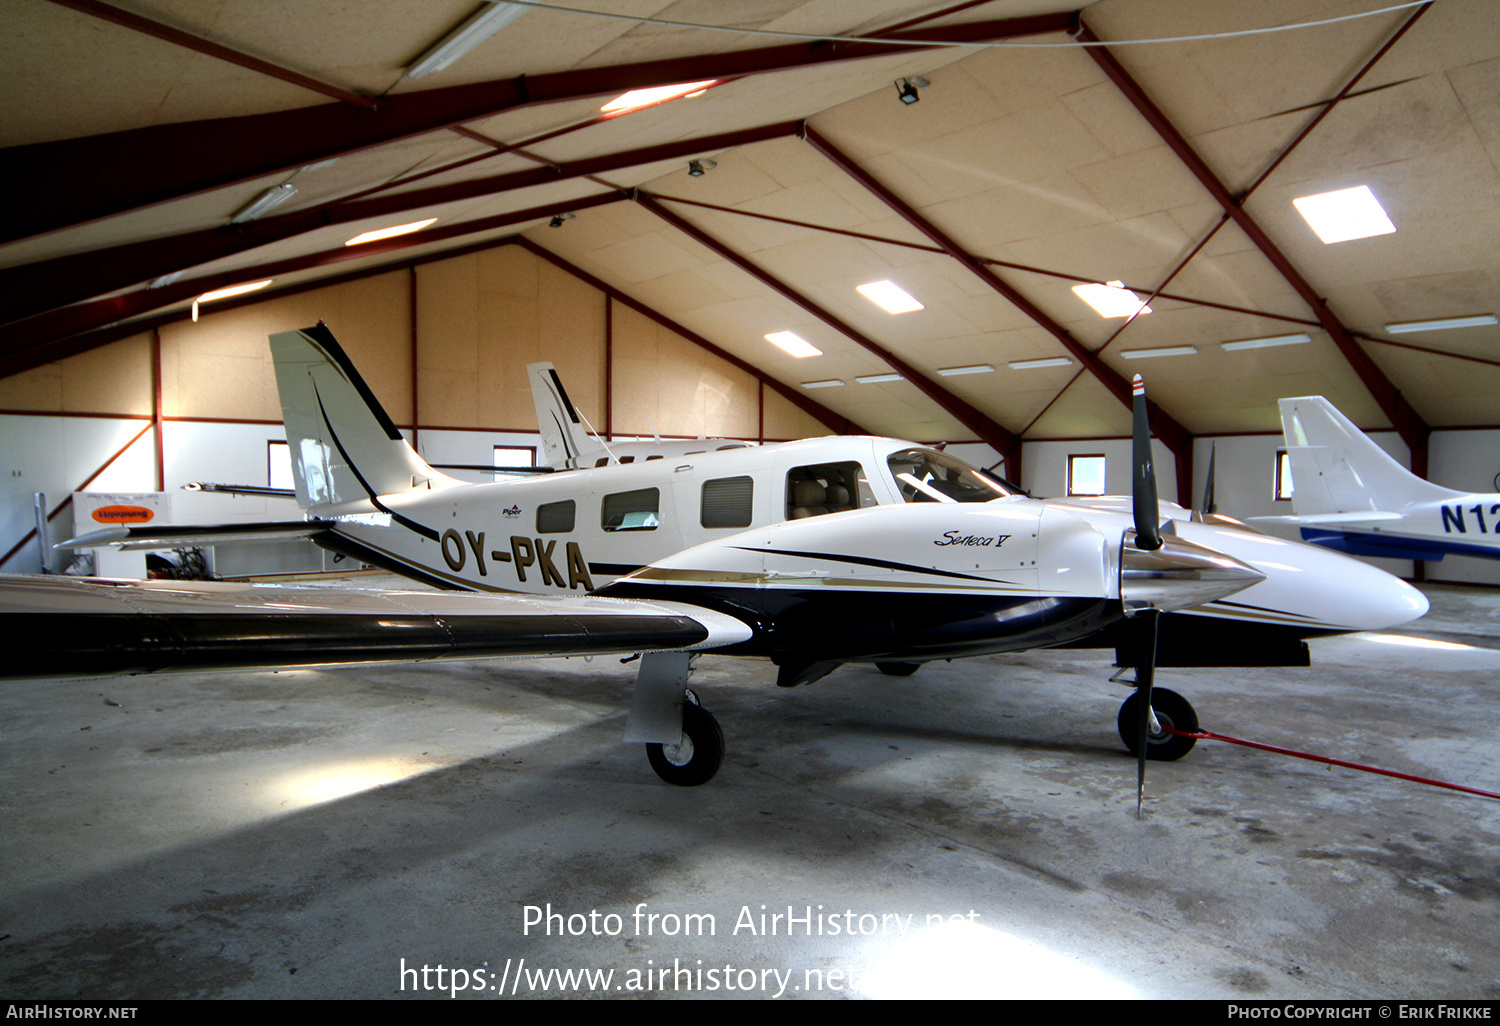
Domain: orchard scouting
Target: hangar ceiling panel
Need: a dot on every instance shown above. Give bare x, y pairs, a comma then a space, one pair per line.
1034, 164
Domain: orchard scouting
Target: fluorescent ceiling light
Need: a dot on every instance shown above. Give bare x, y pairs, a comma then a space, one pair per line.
1146, 354
660, 94
491, 18
1266, 343
793, 343
872, 379
1050, 361
1477, 321
977, 368
889, 296
233, 290
266, 201
1346, 214
1112, 299
390, 233
830, 383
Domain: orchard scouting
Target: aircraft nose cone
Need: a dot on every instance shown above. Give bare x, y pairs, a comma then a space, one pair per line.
1179, 575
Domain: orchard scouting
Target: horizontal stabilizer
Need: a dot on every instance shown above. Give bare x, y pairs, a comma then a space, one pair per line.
1369, 517
170, 536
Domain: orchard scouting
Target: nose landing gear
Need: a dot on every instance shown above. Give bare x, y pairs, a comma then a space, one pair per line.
1172, 710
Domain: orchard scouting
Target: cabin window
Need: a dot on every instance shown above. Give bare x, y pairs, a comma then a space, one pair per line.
926, 475
1086, 474
726, 502
631, 511
555, 517
826, 488
1283, 474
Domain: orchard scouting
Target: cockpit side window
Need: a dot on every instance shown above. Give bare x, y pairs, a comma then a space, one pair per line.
826, 488
926, 475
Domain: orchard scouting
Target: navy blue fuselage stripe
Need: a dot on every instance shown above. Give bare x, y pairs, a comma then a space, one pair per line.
866, 561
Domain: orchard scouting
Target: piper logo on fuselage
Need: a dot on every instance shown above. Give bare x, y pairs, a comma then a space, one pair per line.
959, 538
524, 552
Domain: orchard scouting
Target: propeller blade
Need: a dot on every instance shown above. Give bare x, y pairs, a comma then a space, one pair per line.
1145, 675
1209, 507
1143, 474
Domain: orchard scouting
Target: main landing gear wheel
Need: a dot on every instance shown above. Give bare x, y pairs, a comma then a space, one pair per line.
898, 669
1172, 710
697, 758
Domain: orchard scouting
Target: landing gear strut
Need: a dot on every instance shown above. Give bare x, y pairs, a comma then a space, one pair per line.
1172, 710
696, 759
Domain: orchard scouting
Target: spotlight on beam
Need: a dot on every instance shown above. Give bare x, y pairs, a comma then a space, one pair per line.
698, 168
558, 219
906, 89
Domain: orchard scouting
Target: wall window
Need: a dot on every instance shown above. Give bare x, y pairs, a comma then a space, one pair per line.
1086, 474
279, 465
514, 456
631, 511
1283, 474
555, 517
726, 502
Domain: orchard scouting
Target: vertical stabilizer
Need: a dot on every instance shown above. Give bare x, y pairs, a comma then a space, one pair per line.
344, 448
1336, 468
561, 427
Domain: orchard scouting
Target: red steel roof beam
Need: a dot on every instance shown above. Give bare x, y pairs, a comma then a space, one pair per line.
835, 422
1412, 428
108, 12
74, 181
1174, 435
34, 288
72, 320
994, 434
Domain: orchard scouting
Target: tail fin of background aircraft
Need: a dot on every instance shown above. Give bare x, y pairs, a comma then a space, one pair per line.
344, 447
562, 429
1336, 468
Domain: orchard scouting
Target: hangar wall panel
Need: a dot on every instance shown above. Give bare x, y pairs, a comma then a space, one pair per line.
221, 366
112, 379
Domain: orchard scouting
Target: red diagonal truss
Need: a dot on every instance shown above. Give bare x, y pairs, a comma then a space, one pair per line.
1412, 428
996, 435
75, 181
836, 422
1176, 437
34, 288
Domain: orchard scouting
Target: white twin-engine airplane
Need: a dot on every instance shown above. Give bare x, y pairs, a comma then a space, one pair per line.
812, 553
1350, 495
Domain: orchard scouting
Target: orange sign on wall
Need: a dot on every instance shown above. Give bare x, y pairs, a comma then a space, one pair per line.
123, 514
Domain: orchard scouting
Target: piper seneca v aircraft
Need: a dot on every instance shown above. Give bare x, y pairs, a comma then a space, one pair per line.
812, 553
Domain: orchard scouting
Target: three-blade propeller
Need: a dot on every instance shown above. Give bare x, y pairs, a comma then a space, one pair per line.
1148, 539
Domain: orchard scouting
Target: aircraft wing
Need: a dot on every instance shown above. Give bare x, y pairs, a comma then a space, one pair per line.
168, 536
76, 627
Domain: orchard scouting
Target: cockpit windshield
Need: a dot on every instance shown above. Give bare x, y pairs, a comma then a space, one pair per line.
926, 475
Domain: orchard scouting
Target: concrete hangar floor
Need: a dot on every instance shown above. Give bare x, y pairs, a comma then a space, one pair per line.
968, 831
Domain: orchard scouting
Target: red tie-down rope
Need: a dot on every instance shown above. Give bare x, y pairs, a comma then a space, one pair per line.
1208, 735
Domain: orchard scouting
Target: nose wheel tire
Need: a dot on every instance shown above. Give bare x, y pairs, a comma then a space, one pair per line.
697, 758
1172, 710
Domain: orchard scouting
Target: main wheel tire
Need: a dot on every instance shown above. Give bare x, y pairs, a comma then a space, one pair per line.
898, 669
1172, 710
697, 758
